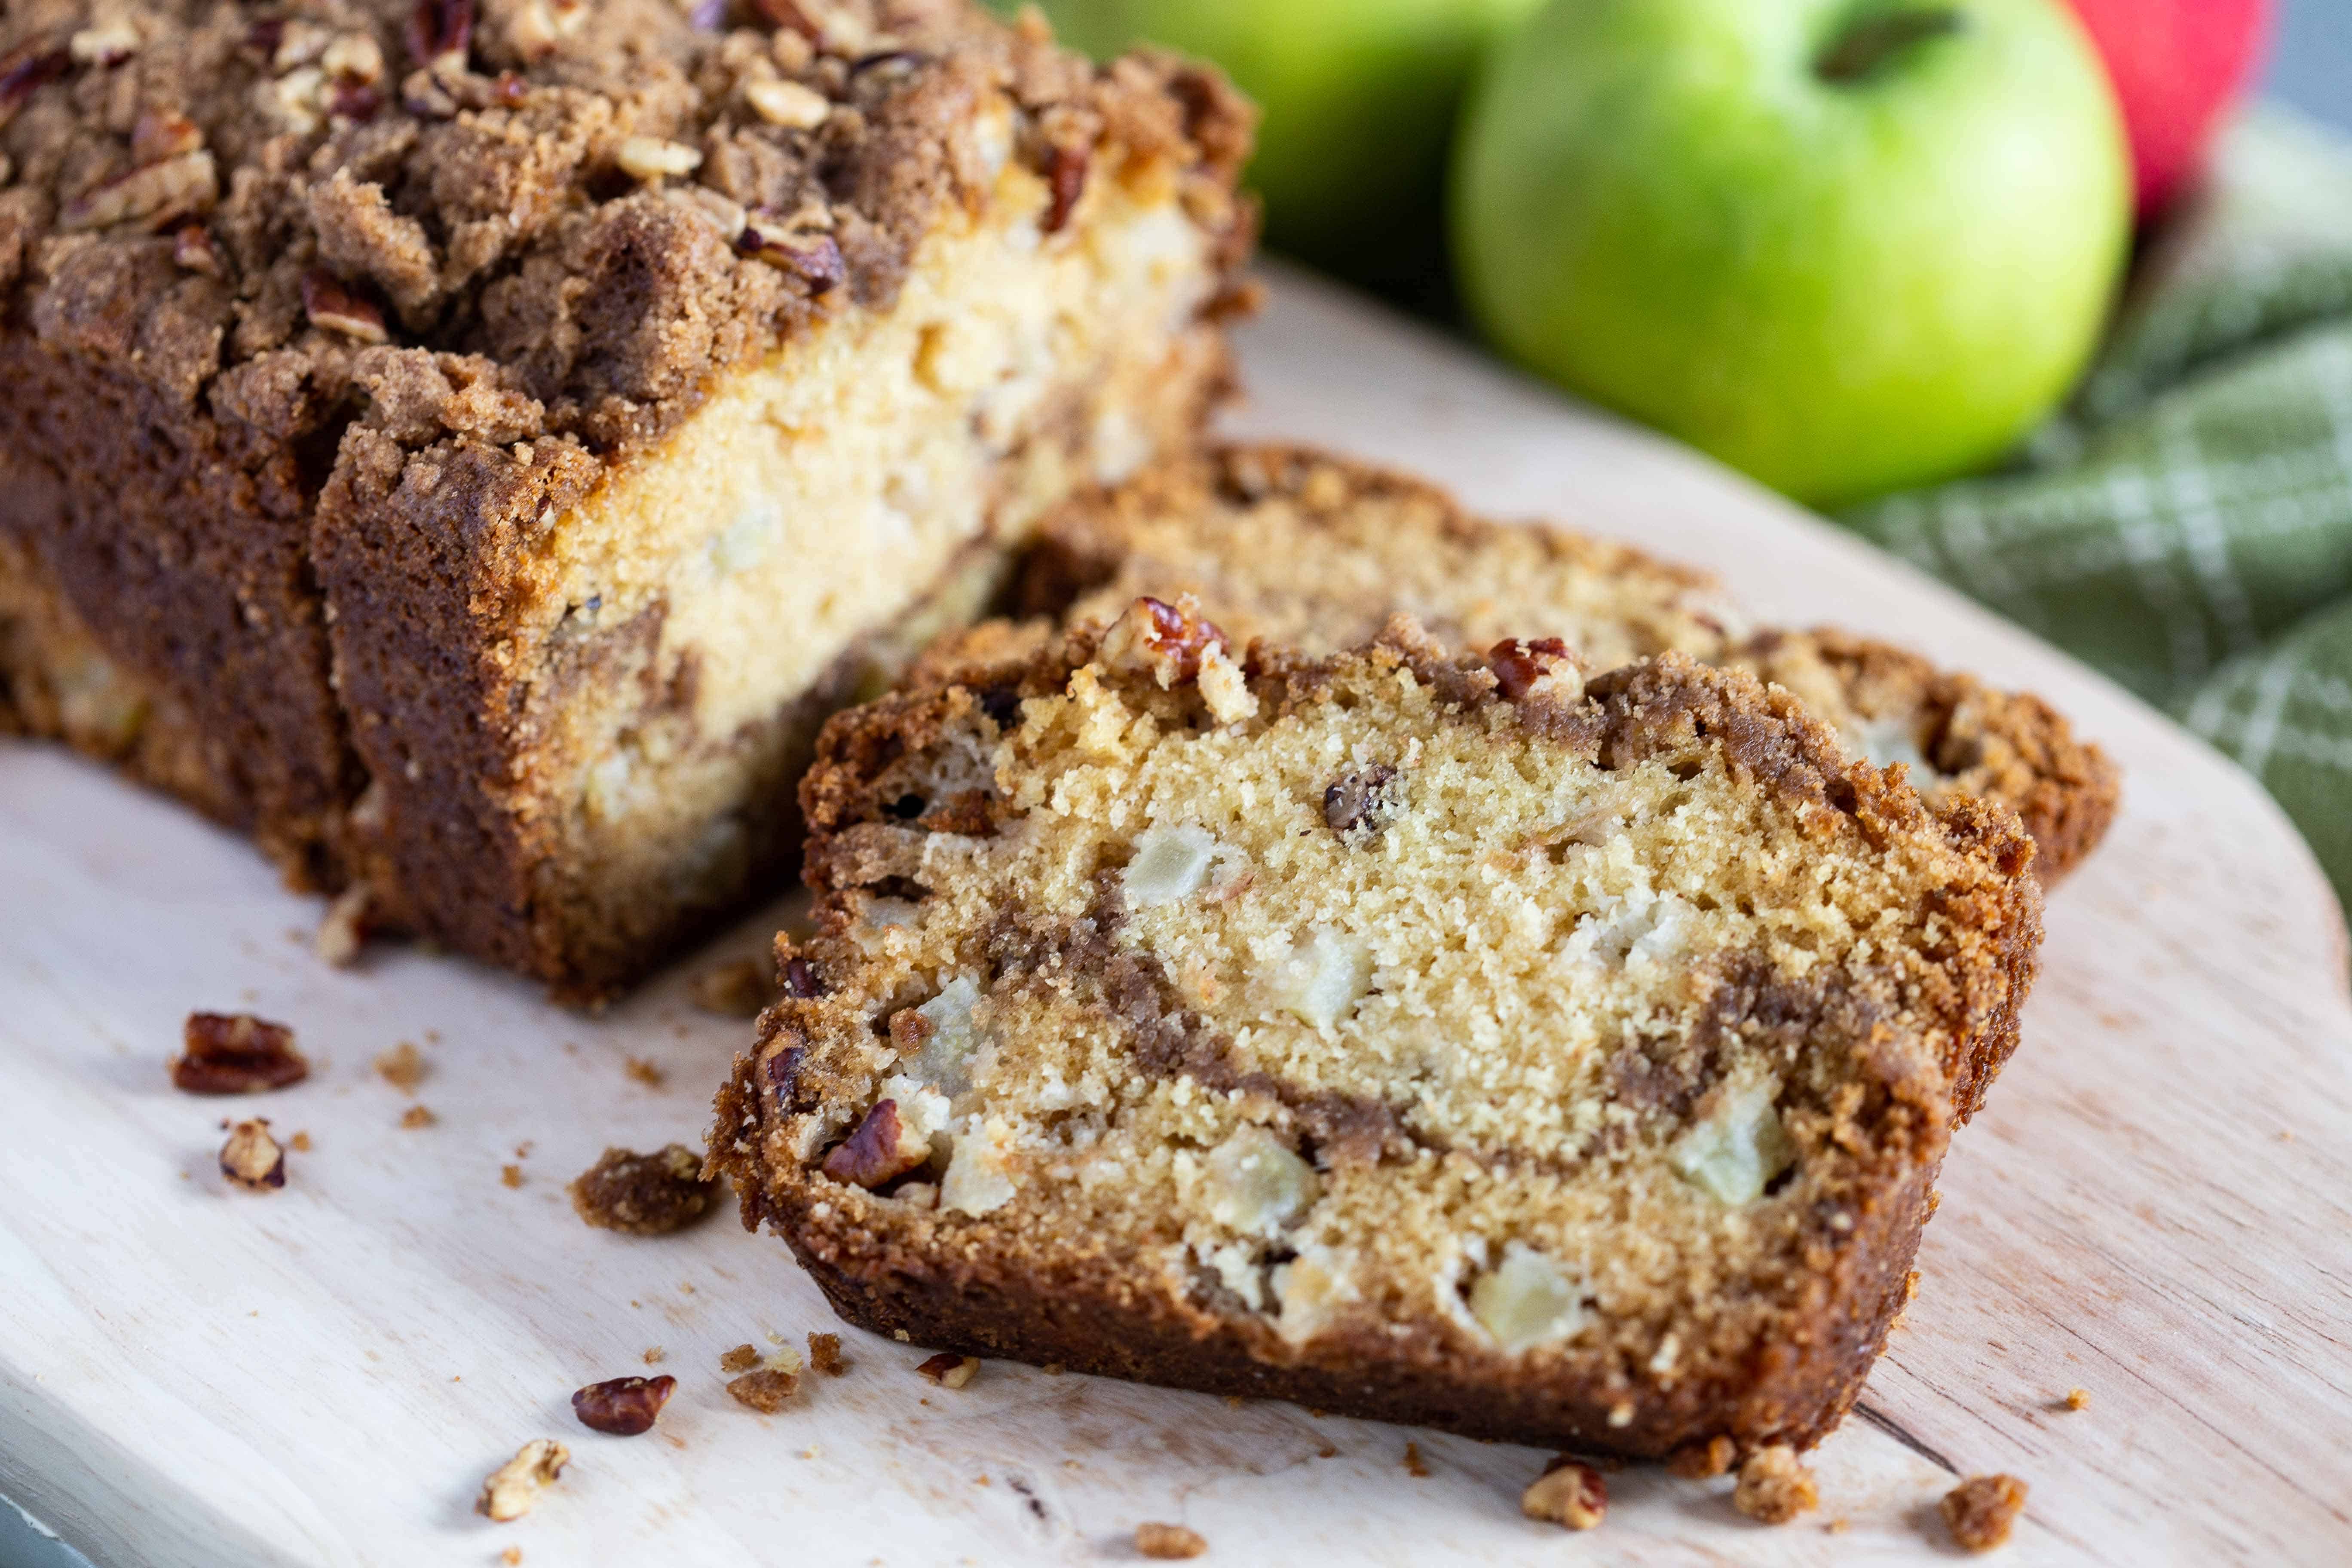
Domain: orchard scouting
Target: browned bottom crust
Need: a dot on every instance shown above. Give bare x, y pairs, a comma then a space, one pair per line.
973, 1303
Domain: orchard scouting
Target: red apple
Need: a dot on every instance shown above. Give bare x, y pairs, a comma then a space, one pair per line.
2177, 65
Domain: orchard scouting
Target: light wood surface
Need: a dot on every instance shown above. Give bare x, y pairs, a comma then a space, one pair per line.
2156, 1207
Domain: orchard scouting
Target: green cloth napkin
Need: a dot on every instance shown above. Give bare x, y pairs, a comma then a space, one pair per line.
2186, 523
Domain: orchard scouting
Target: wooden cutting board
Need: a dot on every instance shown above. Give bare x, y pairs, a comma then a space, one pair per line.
2156, 1207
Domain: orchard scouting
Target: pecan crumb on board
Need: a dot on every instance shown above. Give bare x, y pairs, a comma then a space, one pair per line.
515, 1486
623, 1406
251, 1158
950, 1370
1570, 1493
236, 1053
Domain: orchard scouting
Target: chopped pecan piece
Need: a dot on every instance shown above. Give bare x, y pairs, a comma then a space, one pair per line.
788, 104
515, 1486
882, 1147
175, 187
644, 1194
1519, 665
790, 14
441, 31
1570, 1492
1981, 1510
1065, 177
236, 1053
1163, 640
251, 1158
333, 307
105, 46
800, 979
623, 1406
651, 158
158, 134
343, 930
1168, 1541
815, 258
192, 248
950, 1370
26, 68
765, 1390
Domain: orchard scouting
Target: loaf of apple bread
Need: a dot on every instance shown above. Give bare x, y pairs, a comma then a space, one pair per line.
1467, 1041
1317, 552
469, 447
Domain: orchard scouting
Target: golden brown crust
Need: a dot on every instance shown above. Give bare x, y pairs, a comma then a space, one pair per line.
2006, 746
282, 453
890, 772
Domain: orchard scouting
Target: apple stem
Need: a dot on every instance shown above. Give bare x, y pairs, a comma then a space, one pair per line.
1867, 43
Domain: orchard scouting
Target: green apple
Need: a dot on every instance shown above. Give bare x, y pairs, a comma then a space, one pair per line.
1845, 246
1360, 98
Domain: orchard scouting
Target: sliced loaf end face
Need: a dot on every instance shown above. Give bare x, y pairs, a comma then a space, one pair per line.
1457, 1041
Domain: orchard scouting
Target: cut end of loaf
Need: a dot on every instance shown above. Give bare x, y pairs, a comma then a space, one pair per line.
1548, 1056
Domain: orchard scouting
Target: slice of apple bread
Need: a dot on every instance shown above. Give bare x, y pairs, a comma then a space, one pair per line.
1317, 552
1442, 1039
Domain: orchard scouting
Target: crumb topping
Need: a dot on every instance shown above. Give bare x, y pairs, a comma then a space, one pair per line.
523, 218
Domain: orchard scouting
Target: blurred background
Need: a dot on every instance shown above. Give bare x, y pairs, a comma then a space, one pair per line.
2312, 66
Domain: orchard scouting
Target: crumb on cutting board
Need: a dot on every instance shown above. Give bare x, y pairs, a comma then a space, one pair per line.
1774, 1487
644, 1194
512, 1489
1982, 1511
1168, 1541
403, 1067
